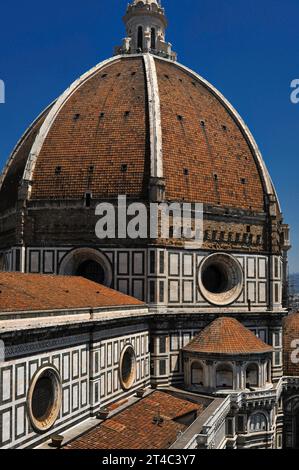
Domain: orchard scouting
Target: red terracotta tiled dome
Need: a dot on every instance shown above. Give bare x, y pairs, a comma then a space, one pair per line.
227, 336
14, 170
99, 137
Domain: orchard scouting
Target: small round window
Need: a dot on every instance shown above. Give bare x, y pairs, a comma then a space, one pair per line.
44, 398
127, 367
220, 279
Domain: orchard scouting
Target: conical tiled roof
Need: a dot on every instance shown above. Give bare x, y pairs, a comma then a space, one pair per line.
227, 336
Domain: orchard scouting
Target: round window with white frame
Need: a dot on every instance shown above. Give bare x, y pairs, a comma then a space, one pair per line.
220, 279
127, 367
89, 263
44, 398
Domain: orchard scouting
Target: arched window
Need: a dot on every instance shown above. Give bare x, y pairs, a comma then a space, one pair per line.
224, 376
291, 416
252, 376
140, 38
153, 38
258, 423
196, 374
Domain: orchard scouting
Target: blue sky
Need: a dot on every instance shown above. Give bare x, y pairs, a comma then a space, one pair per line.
247, 49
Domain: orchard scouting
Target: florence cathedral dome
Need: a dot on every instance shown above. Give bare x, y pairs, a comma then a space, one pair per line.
136, 120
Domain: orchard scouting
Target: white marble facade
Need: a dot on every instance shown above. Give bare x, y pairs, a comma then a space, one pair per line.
166, 278
88, 373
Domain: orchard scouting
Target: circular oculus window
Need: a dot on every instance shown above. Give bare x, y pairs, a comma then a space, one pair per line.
127, 367
89, 263
220, 279
44, 398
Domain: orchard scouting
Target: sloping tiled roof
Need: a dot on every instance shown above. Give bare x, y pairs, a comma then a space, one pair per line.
134, 428
290, 334
21, 292
227, 336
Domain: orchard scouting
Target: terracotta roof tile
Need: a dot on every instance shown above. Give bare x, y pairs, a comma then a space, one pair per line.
133, 428
103, 125
10, 187
21, 292
227, 336
217, 147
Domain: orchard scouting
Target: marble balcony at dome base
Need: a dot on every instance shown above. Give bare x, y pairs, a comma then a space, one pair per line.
87, 323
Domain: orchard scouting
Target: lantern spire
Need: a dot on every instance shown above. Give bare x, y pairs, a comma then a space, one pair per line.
146, 24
